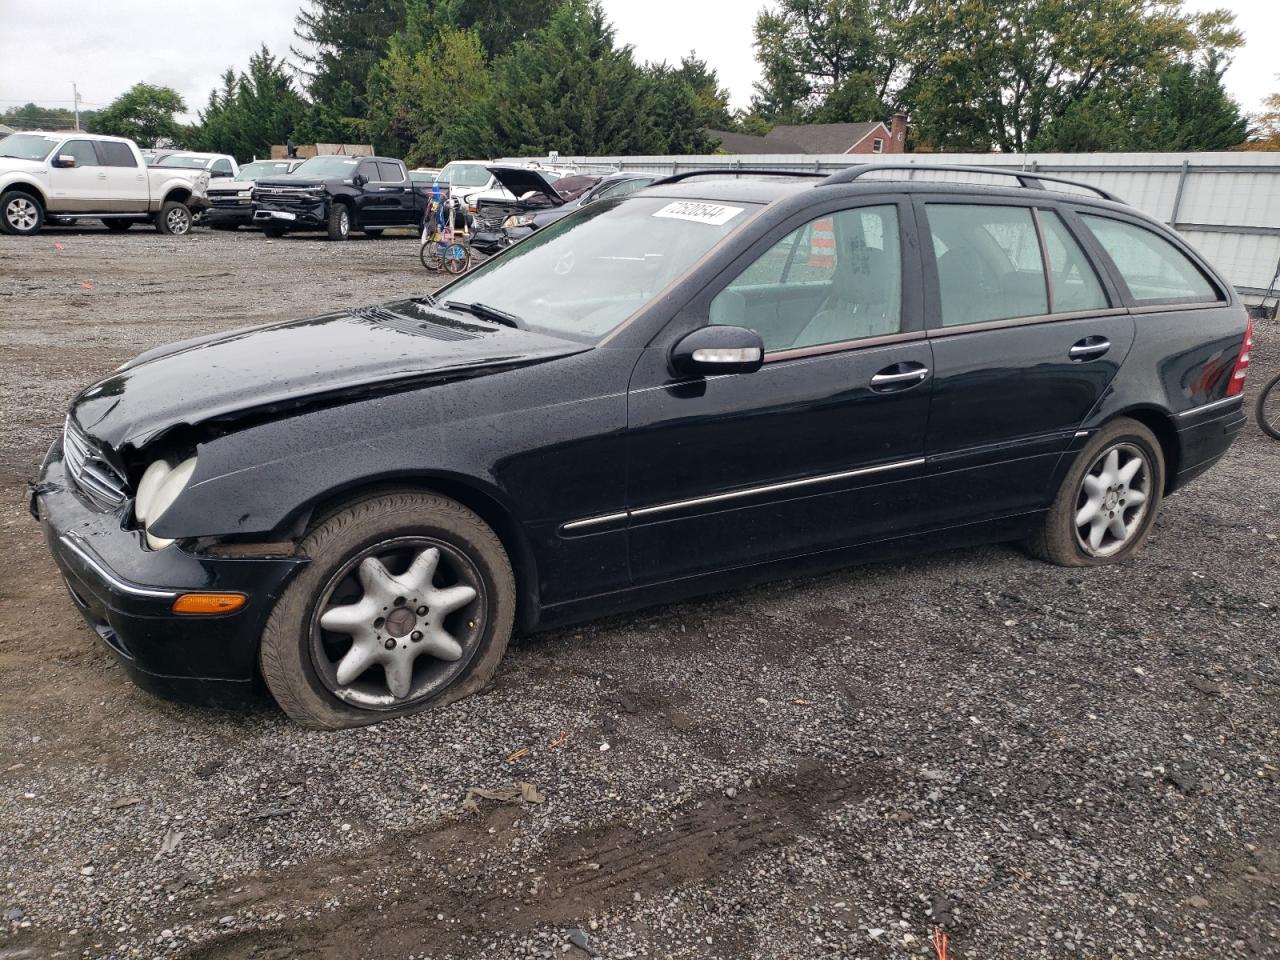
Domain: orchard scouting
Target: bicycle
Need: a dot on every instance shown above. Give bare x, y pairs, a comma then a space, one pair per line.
1268, 408
452, 255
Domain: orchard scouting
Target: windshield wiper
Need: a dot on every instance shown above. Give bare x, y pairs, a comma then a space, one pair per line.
486, 312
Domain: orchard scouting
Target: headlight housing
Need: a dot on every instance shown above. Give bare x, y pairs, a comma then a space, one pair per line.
157, 490
518, 220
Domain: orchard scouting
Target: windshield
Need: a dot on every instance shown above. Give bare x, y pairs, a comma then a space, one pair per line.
344, 167
27, 146
464, 175
583, 275
187, 163
263, 168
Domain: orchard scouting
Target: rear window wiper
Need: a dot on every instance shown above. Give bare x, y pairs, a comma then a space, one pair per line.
486, 312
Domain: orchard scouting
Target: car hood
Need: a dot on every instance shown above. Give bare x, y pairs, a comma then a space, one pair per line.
522, 180
14, 165
266, 371
289, 180
222, 183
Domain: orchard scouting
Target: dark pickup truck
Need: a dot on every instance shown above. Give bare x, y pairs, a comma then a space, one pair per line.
339, 194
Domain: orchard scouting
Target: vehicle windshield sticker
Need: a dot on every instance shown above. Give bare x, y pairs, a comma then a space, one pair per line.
712, 213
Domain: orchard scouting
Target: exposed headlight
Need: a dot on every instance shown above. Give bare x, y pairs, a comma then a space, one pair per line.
157, 490
518, 220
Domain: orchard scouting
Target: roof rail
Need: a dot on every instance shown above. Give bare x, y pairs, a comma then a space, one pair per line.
1026, 178
735, 171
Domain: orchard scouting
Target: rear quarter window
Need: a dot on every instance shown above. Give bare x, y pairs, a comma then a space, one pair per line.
1154, 269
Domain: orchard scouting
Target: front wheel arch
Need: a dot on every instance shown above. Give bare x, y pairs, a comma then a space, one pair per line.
486, 505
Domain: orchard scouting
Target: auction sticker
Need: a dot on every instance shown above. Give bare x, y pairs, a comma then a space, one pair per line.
712, 213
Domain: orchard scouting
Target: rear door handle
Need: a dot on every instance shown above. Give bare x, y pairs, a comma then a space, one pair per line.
899, 376
1090, 348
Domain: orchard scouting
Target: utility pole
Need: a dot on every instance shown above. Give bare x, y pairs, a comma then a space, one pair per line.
75, 100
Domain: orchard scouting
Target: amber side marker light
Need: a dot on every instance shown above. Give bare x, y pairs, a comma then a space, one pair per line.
209, 604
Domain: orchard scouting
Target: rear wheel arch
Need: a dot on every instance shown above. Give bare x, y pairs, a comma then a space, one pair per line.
484, 504
1162, 424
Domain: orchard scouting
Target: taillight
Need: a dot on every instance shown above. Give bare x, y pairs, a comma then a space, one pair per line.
1238, 372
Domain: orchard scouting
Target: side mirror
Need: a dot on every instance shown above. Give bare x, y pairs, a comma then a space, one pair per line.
359, 180
220, 173
64, 160
716, 349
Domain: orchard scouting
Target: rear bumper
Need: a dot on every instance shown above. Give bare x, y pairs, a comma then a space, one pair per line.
1204, 436
125, 593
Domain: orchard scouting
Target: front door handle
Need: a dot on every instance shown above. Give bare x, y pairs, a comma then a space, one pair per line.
899, 376
1090, 348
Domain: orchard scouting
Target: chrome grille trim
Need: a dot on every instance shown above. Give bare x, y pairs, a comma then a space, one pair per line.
90, 471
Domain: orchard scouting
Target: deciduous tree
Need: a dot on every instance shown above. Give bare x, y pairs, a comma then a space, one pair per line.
143, 113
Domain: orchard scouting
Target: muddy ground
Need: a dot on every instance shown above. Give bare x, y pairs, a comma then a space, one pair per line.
1041, 762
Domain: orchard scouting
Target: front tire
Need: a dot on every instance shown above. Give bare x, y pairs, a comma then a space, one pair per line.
174, 219
1108, 502
408, 603
21, 213
339, 222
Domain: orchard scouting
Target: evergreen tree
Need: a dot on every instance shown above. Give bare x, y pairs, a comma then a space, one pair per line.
341, 42
568, 88
251, 112
416, 97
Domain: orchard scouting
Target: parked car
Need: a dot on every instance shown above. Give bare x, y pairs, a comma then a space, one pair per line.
526, 191
231, 202
472, 181
83, 176
424, 175
218, 165
339, 194
507, 223
706, 383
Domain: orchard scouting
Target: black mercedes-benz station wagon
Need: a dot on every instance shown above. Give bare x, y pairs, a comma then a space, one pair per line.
711, 380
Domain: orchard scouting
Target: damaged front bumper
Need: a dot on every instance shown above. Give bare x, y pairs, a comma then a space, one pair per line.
125, 593
312, 215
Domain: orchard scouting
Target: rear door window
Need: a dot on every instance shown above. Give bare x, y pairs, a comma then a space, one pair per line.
1074, 282
989, 263
115, 154
389, 172
1153, 268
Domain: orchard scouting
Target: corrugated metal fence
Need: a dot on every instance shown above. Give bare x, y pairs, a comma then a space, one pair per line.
1226, 204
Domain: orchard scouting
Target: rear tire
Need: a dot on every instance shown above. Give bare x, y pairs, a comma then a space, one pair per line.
339, 227
117, 226
1100, 493
303, 662
21, 213
174, 219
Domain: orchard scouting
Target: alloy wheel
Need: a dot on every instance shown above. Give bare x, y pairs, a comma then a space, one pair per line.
398, 622
21, 214
1112, 501
178, 221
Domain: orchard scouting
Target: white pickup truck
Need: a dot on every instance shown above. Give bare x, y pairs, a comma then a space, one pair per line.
64, 177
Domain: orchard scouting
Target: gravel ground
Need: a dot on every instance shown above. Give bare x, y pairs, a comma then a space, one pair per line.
1041, 762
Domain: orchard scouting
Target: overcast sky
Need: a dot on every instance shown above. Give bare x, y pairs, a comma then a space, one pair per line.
107, 45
